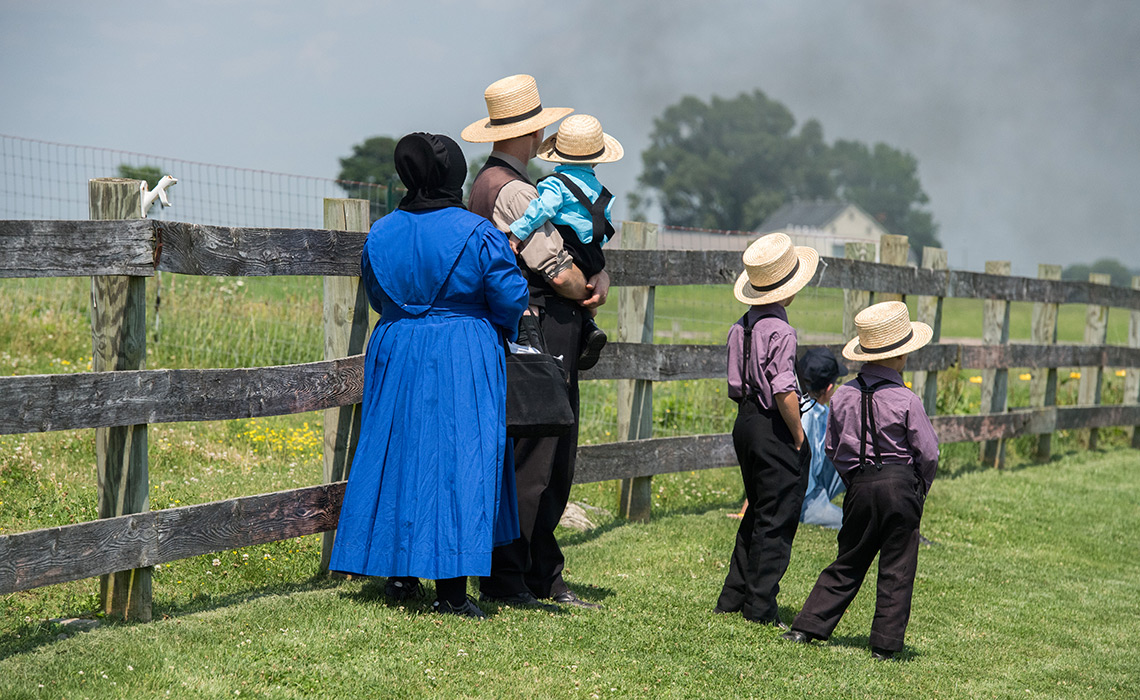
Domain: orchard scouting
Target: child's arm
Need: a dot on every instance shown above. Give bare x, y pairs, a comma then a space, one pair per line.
539, 211
788, 403
923, 441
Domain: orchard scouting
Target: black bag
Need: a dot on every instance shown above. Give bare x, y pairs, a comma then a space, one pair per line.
538, 396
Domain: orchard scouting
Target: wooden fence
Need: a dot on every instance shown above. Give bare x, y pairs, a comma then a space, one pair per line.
120, 398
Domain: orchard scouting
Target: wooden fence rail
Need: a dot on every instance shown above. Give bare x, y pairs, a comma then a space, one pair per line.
136, 397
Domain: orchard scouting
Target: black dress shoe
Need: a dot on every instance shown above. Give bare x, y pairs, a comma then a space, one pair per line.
592, 347
881, 654
774, 622
798, 636
569, 598
402, 588
525, 599
468, 609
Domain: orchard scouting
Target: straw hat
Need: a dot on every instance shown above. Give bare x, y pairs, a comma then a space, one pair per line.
514, 110
580, 139
885, 330
774, 269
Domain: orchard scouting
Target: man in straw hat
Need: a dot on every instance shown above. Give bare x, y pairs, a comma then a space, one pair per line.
886, 451
771, 448
531, 567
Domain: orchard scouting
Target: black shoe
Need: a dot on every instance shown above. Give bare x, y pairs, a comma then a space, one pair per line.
595, 340
881, 654
773, 622
525, 599
721, 611
403, 588
923, 540
468, 609
798, 636
569, 598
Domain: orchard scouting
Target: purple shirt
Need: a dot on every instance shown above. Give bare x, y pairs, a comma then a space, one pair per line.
772, 363
905, 434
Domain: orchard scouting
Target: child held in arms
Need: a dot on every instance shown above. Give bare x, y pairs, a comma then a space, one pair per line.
576, 203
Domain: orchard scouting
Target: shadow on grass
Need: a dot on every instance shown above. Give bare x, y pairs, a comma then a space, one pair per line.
38, 633
372, 592
575, 537
863, 642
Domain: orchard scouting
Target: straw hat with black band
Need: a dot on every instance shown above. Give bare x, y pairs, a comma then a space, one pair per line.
580, 140
885, 330
774, 270
514, 109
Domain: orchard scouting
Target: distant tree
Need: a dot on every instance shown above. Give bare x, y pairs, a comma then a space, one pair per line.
728, 164
149, 173
371, 163
1121, 275
884, 182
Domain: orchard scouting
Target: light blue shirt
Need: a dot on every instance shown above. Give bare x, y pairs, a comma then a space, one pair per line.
555, 204
822, 477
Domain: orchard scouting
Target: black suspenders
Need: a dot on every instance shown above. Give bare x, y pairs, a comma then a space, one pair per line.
748, 395
867, 421
602, 227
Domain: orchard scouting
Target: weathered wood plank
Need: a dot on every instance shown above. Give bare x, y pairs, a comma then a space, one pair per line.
995, 382
195, 249
855, 298
1132, 376
628, 460
118, 338
1043, 390
929, 311
677, 267
76, 248
635, 396
893, 250
99, 547
39, 403
345, 320
1096, 332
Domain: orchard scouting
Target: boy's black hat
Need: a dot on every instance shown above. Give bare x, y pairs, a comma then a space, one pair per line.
817, 368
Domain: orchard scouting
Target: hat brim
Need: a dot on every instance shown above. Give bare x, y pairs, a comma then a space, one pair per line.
611, 151
922, 336
746, 293
483, 131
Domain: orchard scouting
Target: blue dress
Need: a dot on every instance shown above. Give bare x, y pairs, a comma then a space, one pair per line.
428, 494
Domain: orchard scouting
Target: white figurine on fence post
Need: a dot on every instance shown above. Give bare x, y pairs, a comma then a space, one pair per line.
158, 193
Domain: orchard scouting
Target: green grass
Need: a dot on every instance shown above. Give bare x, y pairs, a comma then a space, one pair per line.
1032, 590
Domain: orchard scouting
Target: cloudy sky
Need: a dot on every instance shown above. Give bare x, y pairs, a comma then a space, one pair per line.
1023, 114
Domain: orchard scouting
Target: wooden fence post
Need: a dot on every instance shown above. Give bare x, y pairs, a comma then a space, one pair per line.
1132, 376
635, 396
929, 311
1043, 390
995, 382
1096, 333
346, 333
118, 340
893, 250
855, 300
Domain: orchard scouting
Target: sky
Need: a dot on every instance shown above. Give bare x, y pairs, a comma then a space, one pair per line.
1022, 114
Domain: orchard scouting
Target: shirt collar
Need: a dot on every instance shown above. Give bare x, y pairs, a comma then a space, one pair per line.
874, 370
776, 310
511, 161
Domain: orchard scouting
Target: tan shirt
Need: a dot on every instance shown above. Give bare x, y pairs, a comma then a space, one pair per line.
543, 251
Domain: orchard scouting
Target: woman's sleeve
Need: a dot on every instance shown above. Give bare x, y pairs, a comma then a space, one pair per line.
539, 211
503, 283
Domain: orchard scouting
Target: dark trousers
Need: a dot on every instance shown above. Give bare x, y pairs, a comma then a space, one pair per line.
775, 479
544, 472
881, 513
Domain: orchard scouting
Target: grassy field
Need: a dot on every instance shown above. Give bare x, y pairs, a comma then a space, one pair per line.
1032, 591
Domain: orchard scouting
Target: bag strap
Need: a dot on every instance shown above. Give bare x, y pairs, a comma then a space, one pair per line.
596, 208
867, 421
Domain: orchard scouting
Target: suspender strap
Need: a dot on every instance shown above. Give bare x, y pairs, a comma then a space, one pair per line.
747, 354
867, 421
603, 229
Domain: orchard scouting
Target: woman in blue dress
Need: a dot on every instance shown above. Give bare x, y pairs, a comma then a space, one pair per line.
428, 495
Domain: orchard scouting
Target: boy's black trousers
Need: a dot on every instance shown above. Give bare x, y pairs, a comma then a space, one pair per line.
775, 479
881, 513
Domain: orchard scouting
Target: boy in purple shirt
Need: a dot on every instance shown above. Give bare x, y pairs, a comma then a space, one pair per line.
886, 451
768, 436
